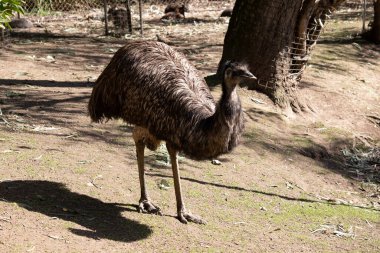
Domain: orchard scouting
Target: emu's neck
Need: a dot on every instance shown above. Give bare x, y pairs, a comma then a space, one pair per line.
220, 132
227, 89
227, 121
229, 102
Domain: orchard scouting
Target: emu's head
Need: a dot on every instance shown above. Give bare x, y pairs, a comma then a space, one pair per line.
235, 72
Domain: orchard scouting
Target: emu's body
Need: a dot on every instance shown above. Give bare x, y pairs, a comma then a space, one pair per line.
175, 11
173, 16
150, 85
176, 7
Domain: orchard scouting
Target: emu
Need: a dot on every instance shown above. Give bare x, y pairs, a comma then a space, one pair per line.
176, 7
156, 89
172, 16
175, 11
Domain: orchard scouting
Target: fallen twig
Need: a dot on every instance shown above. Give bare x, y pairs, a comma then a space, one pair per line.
93, 181
337, 230
239, 222
324, 230
369, 224
55, 237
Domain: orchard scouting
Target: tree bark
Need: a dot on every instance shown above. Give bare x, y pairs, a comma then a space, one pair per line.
375, 30
275, 39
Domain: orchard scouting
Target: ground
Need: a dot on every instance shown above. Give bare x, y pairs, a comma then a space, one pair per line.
69, 185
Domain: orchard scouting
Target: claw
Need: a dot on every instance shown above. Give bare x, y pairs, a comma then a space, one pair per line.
145, 206
186, 217
182, 219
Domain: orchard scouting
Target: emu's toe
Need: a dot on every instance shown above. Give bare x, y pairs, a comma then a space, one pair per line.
186, 217
146, 206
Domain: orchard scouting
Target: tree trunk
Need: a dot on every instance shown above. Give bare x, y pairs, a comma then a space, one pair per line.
275, 39
375, 31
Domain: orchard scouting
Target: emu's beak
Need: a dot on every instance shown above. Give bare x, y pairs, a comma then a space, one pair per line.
249, 75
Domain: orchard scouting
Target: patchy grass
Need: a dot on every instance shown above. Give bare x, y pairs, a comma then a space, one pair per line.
319, 213
303, 142
13, 94
80, 170
334, 133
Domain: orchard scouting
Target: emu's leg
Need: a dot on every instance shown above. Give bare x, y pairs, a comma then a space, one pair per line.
183, 215
145, 205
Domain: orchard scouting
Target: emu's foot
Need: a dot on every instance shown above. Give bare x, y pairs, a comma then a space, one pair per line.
145, 206
186, 217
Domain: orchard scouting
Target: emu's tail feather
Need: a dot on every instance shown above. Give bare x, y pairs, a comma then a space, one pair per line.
103, 104
95, 104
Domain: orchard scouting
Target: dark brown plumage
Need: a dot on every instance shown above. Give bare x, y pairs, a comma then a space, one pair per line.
173, 16
150, 85
176, 7
226, 13
175, 12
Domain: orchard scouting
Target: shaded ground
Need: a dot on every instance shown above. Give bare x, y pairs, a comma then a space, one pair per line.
67, 185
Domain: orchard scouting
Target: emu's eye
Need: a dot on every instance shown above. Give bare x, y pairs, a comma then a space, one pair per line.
237, 73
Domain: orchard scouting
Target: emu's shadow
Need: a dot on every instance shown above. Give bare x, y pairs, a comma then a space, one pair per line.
103, 220
46, 83
271, 194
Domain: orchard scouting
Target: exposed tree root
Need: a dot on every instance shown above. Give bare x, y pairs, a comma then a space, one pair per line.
291, 101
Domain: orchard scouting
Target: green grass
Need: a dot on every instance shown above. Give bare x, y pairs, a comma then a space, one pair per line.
319, 213
14, 94
243, 200
80, 170
303, 142
50, 162
317, 124
32, 142
68, 225
311, 240
31, 170
193, 193
251, 135
334, 133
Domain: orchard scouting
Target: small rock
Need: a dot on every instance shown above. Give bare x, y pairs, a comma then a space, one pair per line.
163, 184
50, 59
289, 185
263, 208
216, 162
357, 46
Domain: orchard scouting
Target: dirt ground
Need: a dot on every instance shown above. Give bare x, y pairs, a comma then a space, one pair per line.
296, 184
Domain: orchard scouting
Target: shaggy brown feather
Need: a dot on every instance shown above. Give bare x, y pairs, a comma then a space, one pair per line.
177, 7
152, 86
175, 16
226, 13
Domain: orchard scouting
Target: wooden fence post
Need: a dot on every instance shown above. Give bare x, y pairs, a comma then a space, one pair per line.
105, 17
141, 18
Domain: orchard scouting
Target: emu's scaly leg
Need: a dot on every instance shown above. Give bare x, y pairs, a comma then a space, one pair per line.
183, 215
145, 205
